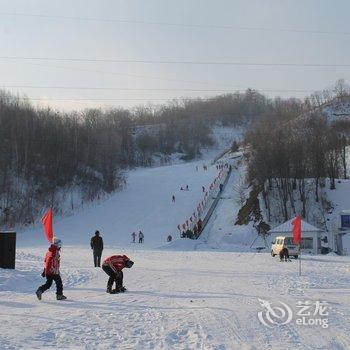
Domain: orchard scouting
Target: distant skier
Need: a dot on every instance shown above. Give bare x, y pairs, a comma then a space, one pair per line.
96, 244
221, 187
187, 188
113, 266
169, 238
173, 199
52, 271
133, 235
203, 189
141, 237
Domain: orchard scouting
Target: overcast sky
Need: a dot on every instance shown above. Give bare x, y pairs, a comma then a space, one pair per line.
286, 31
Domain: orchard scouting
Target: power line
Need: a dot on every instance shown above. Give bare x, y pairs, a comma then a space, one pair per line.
233, 89
129, 75
184, 62
172, 24
93, 100
104, 99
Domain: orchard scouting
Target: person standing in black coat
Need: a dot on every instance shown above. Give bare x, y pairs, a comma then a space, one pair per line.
97, 247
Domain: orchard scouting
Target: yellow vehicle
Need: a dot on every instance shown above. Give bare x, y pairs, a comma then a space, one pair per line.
284, 242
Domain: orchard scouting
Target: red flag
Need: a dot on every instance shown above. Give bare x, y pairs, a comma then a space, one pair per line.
296, 230
46, 220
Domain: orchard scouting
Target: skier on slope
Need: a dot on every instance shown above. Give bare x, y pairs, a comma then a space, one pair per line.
52, 270
141, 237
113, 266
96, 244
133, 235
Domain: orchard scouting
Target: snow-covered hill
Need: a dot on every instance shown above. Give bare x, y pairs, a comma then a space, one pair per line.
337, 111
144, 204
177, 298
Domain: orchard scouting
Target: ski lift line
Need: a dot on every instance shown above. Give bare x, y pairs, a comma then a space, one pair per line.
93, 100
106, 99
180, 62
139, 76
5, 86
213, 206
173, 24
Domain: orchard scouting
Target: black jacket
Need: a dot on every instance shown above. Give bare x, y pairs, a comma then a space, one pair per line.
96, 243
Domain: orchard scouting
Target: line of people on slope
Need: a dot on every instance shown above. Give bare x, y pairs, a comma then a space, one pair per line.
197, 229
112, 266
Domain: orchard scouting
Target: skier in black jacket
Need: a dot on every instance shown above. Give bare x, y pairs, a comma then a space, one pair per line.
97, 247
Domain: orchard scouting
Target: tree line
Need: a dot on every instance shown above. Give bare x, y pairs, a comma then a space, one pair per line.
46, 155
294, 150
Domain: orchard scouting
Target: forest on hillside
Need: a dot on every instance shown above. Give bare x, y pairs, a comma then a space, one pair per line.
293, 153
47, 155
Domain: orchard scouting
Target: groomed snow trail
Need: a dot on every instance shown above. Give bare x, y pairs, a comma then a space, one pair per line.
144, 204
175, 300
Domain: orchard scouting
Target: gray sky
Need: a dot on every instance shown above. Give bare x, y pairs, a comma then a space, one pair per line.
124, 38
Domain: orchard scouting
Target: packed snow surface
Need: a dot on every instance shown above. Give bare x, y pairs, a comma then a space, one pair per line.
203, 294
175, 300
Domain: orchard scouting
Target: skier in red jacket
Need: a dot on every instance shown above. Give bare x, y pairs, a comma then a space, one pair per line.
52, 271
113, 266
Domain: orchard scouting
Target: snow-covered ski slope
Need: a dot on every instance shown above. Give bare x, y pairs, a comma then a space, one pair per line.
175, 300
189, 295
145, 204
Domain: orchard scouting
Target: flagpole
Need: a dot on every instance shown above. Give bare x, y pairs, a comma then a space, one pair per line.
299, 260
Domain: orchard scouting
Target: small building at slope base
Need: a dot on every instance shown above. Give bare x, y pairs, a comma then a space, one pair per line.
310, 235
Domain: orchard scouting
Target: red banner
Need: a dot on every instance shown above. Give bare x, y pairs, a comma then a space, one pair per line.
296, 230
46, 220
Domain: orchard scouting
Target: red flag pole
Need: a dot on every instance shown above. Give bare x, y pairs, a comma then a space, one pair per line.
46, 221
296, 223
299, 260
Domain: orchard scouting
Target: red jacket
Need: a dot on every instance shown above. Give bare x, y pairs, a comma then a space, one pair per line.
116, 262
52, 261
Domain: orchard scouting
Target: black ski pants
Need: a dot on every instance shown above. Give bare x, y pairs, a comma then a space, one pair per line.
116, 277
97, 257
48, 284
